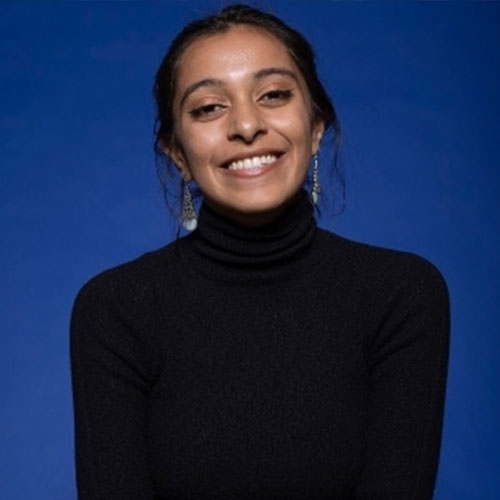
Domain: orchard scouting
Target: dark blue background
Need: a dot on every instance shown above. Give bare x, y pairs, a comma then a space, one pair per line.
417, 89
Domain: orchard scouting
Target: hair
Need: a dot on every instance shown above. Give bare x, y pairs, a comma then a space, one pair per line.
236, 15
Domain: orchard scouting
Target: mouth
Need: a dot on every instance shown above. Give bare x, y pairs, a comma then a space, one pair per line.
252, 162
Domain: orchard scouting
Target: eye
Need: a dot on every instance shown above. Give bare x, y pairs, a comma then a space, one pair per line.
277, 95
206, 111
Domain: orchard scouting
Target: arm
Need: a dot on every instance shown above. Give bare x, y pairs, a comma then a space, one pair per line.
408, 371
111, 382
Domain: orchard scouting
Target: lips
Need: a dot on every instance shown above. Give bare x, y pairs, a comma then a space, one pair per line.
254, 159
254, 162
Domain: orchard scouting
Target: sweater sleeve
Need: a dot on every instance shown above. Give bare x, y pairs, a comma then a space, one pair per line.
111, 382
408, 371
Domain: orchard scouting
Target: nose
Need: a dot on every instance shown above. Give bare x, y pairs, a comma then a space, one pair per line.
246, 122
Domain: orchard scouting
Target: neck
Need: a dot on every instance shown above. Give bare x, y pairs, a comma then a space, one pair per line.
226, 249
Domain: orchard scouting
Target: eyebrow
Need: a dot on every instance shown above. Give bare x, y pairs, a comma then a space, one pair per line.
214, 82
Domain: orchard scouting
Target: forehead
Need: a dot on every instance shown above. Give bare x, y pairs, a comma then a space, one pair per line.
232, 55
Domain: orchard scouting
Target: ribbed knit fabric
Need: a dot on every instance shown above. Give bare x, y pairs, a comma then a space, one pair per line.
282, 362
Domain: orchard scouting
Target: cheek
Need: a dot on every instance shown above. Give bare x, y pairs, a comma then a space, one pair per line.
201, 143
295, 127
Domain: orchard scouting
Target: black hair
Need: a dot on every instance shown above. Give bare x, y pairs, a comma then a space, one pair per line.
238, 14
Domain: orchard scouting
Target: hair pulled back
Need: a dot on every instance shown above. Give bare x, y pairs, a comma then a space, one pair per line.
233, 15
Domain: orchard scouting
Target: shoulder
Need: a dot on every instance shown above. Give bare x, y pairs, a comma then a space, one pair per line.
128, 284
386, 270
118, 314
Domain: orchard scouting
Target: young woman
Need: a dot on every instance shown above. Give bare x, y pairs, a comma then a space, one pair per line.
260, 356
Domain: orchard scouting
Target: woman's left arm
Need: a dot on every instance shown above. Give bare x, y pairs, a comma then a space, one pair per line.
408, 372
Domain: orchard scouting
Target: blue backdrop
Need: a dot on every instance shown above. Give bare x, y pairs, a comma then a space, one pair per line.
417, 89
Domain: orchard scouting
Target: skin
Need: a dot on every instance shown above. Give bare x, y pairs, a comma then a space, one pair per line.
239, 94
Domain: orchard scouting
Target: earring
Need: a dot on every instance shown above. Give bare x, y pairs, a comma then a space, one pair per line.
316, 189
188, 217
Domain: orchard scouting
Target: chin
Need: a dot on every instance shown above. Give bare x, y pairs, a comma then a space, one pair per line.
258, 210
260, 205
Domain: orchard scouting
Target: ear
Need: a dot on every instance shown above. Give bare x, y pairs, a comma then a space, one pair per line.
317, 133
177, 155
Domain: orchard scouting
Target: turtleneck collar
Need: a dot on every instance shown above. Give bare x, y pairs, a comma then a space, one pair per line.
222, 249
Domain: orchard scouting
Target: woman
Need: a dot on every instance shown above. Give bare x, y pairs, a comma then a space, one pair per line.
258, 357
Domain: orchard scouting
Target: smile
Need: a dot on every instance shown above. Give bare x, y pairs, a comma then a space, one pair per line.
253, 162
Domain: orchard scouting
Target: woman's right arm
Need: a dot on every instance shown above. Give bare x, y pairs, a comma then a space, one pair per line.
111, 381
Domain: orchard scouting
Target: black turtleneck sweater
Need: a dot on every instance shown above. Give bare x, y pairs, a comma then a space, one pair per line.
284, 362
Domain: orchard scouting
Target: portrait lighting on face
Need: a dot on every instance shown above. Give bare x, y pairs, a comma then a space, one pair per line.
244, 124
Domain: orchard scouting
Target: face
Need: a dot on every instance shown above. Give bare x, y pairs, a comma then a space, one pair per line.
243, 123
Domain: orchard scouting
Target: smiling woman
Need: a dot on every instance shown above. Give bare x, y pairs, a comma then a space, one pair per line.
259, 356
244, 125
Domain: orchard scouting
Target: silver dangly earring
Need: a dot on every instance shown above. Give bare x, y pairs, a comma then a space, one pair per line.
188, 217
316, 189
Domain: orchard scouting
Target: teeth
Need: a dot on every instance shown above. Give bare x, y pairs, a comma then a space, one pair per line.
255, 162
